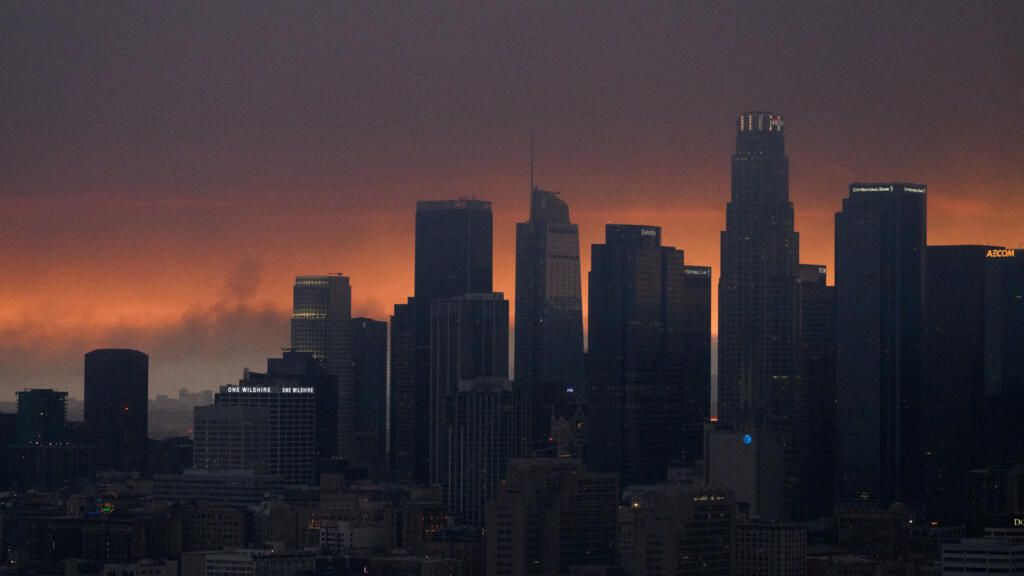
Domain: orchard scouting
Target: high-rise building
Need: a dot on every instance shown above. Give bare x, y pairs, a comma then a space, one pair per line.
279, 422
117, 408
370, 362
454, 254
880, 265
408, 412
549, 311
954, 395
550, 515
468, 340
637, 386
696, 327
42, 416
1004, 357
453, 248
321, 325
818, 364
486, 424
758, 375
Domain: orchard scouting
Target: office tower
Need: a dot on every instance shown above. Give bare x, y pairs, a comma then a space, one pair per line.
766, 548
453, 248
818, 365
116, 408
274, 422
954, 395
1004, 357
880, 264
752, 465
404, 418
696, 328
321, 325
42, 417
550, 515
486, 424
679, 529
370, 361
549, 311
757, 331
637, 388
468, 340
453, 257
1001, 551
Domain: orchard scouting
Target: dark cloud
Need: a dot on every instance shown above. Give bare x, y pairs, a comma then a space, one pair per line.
205, 349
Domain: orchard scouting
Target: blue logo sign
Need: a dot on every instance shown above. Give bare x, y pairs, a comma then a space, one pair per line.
747, 439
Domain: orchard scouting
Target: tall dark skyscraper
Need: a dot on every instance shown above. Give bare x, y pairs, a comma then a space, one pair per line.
880, 264
954, 385
370, 355
696, 357
468, 341
549, 310
1004, 357
757, 330
322, 326
818, 364
403, 419
454, 251
117, 408
637, 382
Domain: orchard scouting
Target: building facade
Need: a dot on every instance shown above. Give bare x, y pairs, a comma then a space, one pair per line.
321, 325
117, 408
880, 265
549, 311
637, 387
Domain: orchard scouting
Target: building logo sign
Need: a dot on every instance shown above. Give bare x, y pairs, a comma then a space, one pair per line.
1018, 522
1000, 254
249, 389
297, 390
650, 233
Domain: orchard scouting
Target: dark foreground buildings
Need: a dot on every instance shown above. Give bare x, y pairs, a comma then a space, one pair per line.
880, 265
117, 408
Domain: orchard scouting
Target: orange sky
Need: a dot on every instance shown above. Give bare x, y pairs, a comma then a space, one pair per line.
166, 170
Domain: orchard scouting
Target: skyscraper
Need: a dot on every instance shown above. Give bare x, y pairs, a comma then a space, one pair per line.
880, 264
453, 258
117, 408
1004, 356
757, 331
818, 404
468, 340
696, 357
321, 325
637, 384
370, 361
549, 310
453, 248
953, 435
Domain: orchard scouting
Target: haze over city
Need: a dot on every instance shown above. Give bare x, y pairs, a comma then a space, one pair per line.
167, 170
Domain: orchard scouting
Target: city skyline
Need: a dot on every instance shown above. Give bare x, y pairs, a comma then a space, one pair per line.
145, 240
